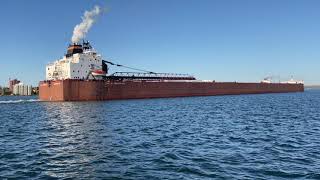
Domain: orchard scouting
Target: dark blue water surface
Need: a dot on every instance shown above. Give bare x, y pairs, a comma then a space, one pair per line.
269, 136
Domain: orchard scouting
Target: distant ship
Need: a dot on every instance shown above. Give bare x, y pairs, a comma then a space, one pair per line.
82, 75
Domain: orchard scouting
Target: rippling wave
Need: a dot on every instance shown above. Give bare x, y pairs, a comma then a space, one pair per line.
268, 136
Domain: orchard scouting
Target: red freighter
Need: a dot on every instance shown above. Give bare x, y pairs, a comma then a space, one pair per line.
82, 75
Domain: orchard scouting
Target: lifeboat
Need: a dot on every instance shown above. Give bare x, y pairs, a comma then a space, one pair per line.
98, 73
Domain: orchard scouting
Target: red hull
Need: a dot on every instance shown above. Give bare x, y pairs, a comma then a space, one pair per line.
89, 90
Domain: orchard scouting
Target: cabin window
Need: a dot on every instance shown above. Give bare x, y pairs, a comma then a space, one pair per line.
73, 70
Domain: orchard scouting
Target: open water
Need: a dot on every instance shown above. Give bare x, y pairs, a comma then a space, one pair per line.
269, 136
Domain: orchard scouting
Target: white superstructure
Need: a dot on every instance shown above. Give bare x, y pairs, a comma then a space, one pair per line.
268, 80
292, 81
79, 63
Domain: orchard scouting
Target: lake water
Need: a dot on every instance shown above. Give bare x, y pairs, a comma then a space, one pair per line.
268, 136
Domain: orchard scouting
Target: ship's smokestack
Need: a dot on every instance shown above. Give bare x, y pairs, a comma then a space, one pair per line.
80, 30
74, 49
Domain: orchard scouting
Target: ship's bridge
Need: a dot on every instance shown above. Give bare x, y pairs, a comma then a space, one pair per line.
79, 61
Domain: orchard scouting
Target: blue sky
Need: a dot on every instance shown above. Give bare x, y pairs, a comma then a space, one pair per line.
224, 40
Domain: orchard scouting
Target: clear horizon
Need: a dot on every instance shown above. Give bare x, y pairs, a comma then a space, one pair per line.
230, 40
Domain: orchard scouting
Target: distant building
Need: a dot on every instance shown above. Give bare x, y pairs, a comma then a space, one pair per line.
4, 91
22, 90
12, 83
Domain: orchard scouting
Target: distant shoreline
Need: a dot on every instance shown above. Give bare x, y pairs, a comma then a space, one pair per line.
313, 86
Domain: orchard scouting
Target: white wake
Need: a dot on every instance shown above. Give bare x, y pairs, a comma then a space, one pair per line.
19, 101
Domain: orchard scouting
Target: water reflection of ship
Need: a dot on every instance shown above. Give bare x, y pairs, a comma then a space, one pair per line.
72, 129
